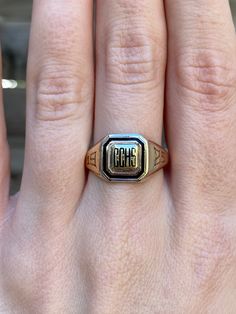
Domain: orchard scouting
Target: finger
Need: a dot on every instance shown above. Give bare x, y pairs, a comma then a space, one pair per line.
131, 59
59, 107
131, 55
4, 160
201, 111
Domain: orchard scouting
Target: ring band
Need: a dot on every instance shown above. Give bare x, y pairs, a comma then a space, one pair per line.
125, 158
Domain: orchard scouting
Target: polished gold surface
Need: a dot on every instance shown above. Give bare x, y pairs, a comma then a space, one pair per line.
93, 159
158, 157
126, 157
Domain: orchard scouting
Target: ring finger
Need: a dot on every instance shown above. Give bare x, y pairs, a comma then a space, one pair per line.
131, 50
131, 59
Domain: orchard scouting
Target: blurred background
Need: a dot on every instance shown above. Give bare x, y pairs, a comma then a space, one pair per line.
15, 18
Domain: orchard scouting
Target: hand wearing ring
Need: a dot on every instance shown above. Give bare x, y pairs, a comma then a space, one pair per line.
103, 223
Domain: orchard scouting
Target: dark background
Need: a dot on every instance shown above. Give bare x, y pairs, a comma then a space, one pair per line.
15, 18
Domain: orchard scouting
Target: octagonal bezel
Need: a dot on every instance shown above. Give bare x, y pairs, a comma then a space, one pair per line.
124, 137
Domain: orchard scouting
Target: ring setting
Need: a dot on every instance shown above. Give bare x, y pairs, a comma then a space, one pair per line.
125, 158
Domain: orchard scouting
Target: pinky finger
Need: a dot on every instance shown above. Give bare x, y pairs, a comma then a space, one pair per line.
4, 155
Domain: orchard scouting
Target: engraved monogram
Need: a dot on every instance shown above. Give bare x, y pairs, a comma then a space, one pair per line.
125, 157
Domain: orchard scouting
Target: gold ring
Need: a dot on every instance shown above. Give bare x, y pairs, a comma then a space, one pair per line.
125, 158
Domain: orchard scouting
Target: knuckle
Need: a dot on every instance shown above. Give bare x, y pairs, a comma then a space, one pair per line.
23, 254
219, 183
208, 249
212, 167
118, 264
61, 93
134, 57
210, 78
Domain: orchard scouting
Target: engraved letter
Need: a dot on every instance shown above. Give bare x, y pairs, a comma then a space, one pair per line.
133, 157
127, 157
116, 157
122, 157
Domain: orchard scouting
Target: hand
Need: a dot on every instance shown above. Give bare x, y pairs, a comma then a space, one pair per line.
71, 243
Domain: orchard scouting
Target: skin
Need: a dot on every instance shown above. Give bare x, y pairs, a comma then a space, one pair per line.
71, 243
